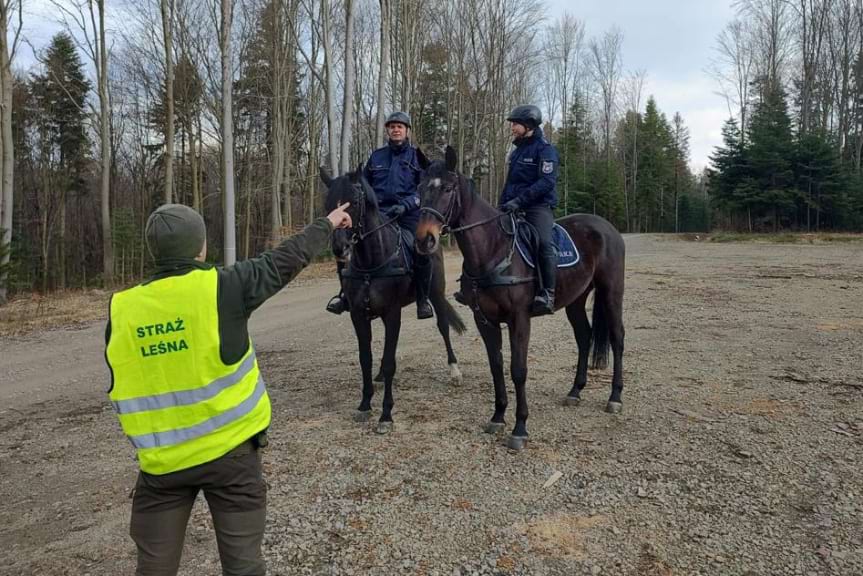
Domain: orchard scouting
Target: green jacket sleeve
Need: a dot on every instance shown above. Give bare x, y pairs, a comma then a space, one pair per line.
257, 279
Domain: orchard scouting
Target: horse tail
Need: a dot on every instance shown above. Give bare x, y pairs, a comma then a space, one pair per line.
600, 331
449, 315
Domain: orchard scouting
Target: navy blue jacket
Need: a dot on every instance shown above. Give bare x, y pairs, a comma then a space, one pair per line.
532, 176
394, 173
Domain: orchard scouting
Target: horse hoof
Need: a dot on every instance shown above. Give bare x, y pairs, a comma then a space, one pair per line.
614, 407
362, 415
455, 377
516, 443
384, 428
494, 427
572, 401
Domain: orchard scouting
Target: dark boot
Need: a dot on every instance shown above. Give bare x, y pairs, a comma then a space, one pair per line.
543, 303
422, 282
339, 303
460, 298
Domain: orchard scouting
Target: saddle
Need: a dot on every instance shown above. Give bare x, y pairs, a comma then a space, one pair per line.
527, 242
400, 263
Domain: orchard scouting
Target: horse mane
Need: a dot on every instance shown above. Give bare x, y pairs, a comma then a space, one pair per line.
438, 169
341, 189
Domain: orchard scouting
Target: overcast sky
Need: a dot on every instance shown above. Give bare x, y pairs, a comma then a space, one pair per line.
671, 39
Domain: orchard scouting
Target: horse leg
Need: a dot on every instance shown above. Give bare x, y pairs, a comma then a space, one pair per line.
363, 330
577, 316
519, 337
614, 315
379, 377
438, 301
491, 337
392, 326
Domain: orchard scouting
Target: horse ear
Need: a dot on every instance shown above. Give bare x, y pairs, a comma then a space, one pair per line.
422, 159
451, 158
325, 176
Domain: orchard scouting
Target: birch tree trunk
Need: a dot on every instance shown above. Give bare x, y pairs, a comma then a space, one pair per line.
382, 73
330, 87
277, 162
7, 153
230, 248
167, 10
105, 137
350, 81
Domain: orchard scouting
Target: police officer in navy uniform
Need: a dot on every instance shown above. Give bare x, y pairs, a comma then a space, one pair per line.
531, 187
394, 173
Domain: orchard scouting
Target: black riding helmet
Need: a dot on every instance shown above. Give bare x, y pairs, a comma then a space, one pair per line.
400, 117
527, 115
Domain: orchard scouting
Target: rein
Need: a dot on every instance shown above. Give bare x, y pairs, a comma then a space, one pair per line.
444, 219
497, 276
359, 235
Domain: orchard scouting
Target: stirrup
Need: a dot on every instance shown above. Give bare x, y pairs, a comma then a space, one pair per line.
543, 304
424, 309
337, 304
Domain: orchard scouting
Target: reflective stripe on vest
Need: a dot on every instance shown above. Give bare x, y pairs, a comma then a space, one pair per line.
177, 402
185, 397
171, 437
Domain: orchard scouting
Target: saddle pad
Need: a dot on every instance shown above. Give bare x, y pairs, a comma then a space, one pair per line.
567, 253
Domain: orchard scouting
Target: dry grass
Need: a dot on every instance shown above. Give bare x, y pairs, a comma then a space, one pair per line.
779, 238
561, 535
35, 312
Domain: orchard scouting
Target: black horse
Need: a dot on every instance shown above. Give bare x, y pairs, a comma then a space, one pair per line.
377, 284
499, 286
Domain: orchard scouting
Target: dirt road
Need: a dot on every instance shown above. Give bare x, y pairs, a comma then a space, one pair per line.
738, 451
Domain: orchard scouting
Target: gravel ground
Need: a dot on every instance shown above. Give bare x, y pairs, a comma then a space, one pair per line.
738, 451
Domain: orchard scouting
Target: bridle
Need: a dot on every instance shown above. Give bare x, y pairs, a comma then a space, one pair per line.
360, 202
446, 217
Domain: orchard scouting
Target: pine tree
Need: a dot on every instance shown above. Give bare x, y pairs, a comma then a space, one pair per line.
771, 153
683, 181
576, 140
819, 180
729, 179
59, 94
655, 168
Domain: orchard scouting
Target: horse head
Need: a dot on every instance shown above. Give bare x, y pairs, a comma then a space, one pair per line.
440, 190
354, 188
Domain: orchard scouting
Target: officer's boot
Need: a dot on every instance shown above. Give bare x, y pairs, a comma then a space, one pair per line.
543, 303
422, 282
460, 298
339, 303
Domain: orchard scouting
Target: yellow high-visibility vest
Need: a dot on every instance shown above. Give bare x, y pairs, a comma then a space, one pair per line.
178, 403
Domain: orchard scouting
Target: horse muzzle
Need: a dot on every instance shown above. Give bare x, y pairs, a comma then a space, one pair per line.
428, 240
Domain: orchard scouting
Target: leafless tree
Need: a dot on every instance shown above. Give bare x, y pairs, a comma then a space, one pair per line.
9, 9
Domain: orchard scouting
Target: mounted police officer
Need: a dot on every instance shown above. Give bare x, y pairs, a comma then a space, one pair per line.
393, 171
531, 187
187, 389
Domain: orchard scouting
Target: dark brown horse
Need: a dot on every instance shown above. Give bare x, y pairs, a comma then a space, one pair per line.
377, 284
499, 286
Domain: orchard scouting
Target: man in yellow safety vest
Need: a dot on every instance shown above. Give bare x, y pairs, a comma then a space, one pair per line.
188, 391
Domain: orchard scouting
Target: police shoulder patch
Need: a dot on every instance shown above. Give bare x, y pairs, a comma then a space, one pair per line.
547, 167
